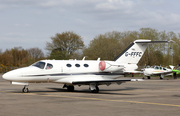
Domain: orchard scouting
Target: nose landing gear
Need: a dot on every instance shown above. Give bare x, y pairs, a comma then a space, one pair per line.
25, 89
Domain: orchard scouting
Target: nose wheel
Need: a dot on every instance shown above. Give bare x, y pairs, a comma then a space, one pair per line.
25, 89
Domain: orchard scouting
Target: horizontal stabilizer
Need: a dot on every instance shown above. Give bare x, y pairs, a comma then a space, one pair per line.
149, 41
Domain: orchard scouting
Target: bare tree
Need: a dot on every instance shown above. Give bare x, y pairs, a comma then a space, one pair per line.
0, 51
35, 53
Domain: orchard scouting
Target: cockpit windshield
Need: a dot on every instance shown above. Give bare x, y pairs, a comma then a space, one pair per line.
39, 64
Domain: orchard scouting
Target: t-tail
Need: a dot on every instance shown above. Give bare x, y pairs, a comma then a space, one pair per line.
133, 53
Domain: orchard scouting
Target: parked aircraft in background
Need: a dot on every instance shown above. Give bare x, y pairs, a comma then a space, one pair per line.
157, 70
177, 70
82, 72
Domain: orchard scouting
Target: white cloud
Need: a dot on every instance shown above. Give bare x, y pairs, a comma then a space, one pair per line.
80, 21
27, 25
41, 19
48, 3
14, 34
114, 5
16, 24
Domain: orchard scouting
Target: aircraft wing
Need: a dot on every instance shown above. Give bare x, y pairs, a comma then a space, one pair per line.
176, 71
84, 81
104, 81
133, 72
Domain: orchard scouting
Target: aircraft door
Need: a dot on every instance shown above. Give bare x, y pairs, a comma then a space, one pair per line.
68, 68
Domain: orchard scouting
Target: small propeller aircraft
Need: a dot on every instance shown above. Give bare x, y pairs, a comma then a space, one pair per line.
177, 70
157, 70
82, 72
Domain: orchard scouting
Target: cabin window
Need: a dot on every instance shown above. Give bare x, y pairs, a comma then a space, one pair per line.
39, 65
77, 65
148, 67
164, 68
152, 66
86, 65
157, 67
68, 65
49, 66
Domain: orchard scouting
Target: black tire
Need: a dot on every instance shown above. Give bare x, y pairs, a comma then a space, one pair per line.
95, 91
148, 77
25, 90
70, 88
161, 77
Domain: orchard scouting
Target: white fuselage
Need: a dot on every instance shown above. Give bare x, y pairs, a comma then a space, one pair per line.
64, 71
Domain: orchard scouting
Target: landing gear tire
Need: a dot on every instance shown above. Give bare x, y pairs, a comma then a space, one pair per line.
161, 77
70, 88
96, 90
25, 90
148, 77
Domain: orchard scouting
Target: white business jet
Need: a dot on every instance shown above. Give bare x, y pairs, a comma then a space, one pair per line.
81, 72
157, 70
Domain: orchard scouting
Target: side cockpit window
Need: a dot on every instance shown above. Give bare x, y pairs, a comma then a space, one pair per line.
164, 68
49, 66
39, 65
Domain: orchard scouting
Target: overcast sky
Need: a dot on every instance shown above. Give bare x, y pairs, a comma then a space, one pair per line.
30, 23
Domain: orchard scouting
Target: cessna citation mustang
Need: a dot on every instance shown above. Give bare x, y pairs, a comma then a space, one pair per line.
82, 72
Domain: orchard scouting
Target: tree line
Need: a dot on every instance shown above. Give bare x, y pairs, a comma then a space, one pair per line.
109, 45
19, 57
69, 45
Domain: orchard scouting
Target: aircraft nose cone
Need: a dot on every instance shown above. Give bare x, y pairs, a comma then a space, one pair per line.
11, 75
6, 76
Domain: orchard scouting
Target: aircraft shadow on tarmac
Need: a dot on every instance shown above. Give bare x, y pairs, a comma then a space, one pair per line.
176, 95
102, 91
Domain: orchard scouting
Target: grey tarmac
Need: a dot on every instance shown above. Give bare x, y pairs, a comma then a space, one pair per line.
146, 98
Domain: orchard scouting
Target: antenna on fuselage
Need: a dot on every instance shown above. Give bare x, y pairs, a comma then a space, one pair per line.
84, 58
98, 59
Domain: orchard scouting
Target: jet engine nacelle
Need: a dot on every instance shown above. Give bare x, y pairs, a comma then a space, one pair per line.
109, 66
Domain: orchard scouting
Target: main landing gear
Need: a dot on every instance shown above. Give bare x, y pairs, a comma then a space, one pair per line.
94, 88
148, 77
70, 88
161, 77
25, 89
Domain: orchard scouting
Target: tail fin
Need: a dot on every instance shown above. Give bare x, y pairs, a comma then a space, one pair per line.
133, 53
